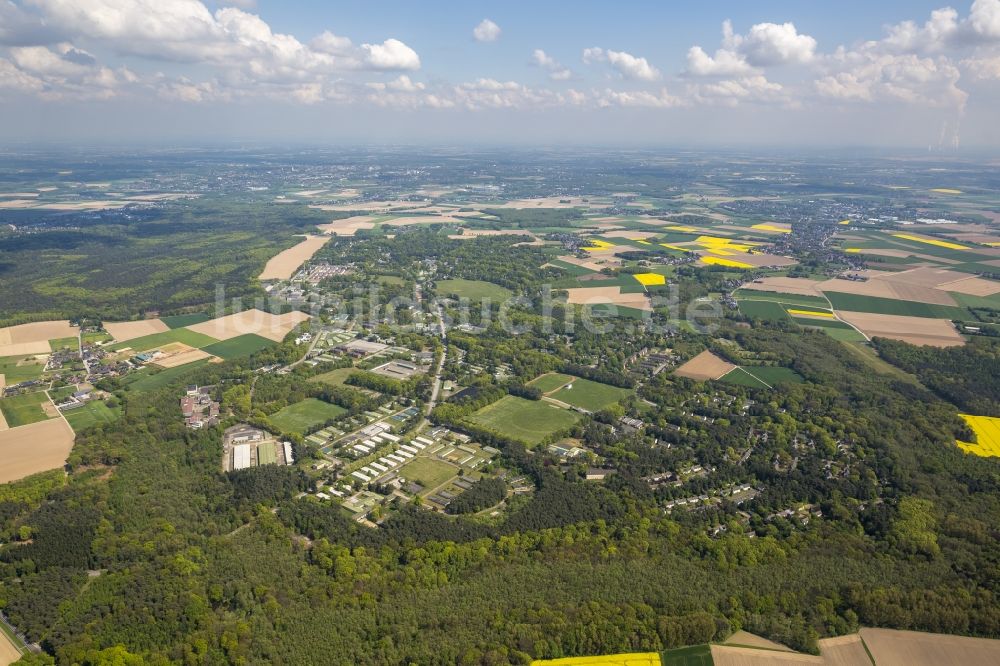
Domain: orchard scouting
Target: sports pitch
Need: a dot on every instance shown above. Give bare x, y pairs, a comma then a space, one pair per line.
529, 421
306, 414
589, 395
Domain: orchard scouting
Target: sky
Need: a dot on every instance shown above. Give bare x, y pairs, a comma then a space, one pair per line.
914, 74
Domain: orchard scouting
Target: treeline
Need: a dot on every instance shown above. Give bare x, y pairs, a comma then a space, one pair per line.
483, 494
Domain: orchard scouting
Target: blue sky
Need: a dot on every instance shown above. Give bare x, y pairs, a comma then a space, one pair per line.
916, 74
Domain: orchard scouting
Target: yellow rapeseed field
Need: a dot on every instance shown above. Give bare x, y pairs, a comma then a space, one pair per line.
597, 245
852, 250
721, 261
931, 241
681, 227
630, 659
810, 313
945, 190
671, 246
987, 429
844, 222
714, 242
771, 227
650, 279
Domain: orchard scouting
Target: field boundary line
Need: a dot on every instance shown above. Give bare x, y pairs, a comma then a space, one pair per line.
740, 367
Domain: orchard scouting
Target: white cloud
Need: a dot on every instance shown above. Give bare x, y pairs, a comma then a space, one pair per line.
486, 31
626, 64
390, 54
983, 68
637, 98
764, 45
984, 18
732, 92
871, 74
557, 72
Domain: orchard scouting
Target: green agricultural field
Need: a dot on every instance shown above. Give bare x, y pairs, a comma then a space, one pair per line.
472, 289
749, 376
592, 396
336, 377
529, 421
17, 369
94, 337
428, 472
180, 321
147, 342
572, 269
302, 416
780, 297
389, 279
150, 381
695, 655
550, 381
65, 343
267, 454
891, 306
23, 409
835, 328
93, 413
766, 310
238, 347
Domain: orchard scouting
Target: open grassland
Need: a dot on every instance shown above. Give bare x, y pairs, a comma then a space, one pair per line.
335, 377
91, 414
472, 289
157, 340
529, 421
149, 381
34, 448
693, 655
428, 472
835, 328
550, 381
761, 376
238, 347
284, 264
72, 343
302, 416
987, 431
180, 321
705, 365
766, 310
19, 410
592, 396
17, 369
129, 330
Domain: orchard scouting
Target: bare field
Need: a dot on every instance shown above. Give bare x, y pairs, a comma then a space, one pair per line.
753, 640
129, 330
724, 655
284, 264
25, 349
890, 288
915, 330
553, 202
367, 205
8, 653
189, 355
759, 259
705, 365
843, 651
41, 331
631, 235
913, 648
348, 226
786, 285
591, 264
608, 295
34, 448
974, 286
267, 325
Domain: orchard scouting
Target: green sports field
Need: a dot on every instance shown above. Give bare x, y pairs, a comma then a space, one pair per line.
529, 421
93, 413
592, 396
147, 342
179, 321
428, 472
336, 377
550, 381
472, 289
23, 409
302, 416
238, 347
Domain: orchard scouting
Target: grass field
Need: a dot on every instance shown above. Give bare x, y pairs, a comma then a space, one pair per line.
93, 413
65, 343
94, 337
592, 396
835, 328
780, 297
179, 321
766, 310
891, 306
153, 381
772, 376
529, 421
23, 409
695, 655
306, 414
389, 280
550, 381
472, 289
16, 369
336, 377
428, 472
147, 342
238, 347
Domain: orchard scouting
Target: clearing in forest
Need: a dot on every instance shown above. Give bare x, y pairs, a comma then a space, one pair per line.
705, 365
34, 448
